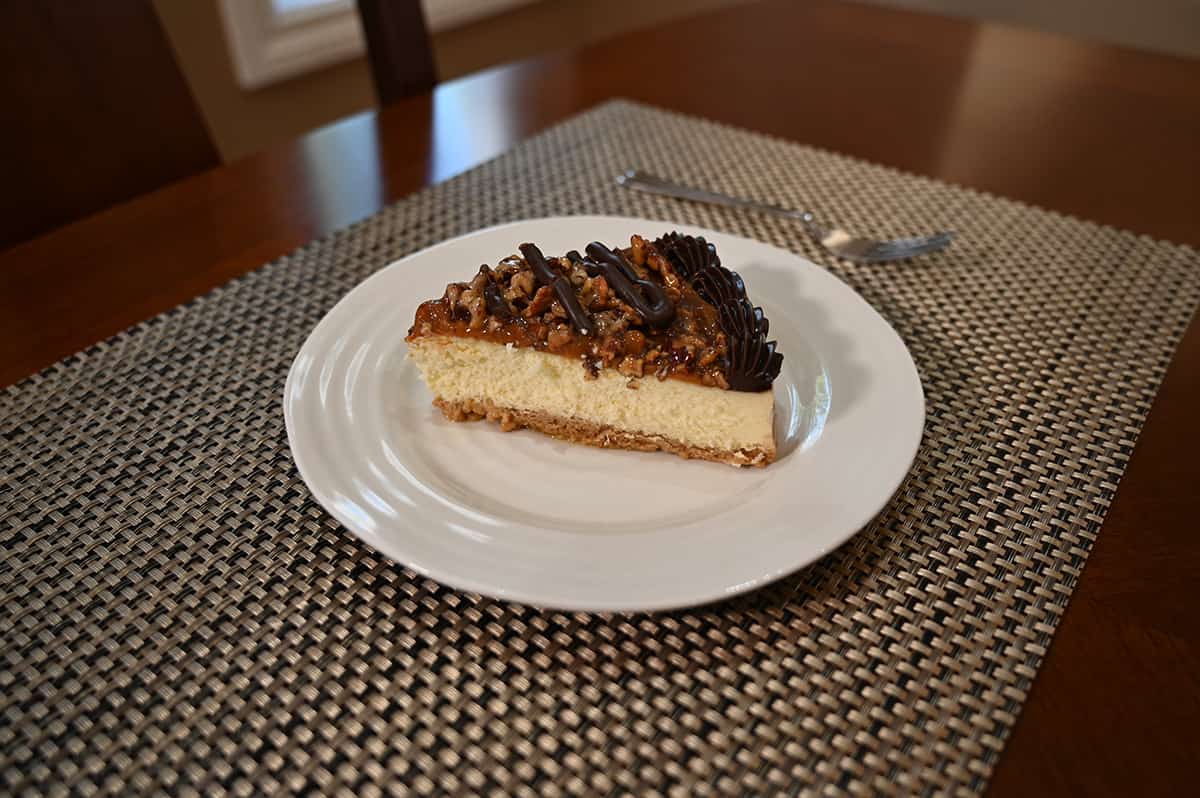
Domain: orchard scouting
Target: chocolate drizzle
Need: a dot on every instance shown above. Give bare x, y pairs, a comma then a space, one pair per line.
495, 302
546, 275
753, 362
647, 298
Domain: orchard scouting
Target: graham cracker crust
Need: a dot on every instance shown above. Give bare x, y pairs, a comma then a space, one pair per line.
576, 431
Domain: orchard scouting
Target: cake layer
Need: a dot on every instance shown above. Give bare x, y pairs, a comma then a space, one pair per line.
686, 414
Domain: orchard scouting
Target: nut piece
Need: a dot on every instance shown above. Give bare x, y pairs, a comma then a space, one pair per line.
631, 366
559, 336
541, 302
601, 294
478, 281
478, 308
575, 272
637, 250
523, 283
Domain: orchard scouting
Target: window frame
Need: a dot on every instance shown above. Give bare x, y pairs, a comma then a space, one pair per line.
268, 45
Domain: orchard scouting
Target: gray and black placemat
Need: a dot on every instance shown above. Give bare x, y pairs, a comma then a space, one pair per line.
179, 615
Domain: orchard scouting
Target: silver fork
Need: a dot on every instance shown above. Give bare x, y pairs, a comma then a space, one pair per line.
834, 239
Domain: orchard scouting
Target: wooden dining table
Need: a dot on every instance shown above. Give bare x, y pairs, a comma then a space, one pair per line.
1086, 129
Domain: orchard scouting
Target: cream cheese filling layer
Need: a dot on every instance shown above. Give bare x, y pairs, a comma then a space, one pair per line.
459, 369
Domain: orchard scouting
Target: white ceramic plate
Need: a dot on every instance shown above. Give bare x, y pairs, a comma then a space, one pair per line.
528, 518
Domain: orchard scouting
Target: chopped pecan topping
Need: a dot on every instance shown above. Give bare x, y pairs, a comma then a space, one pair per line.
631, 366
507, 303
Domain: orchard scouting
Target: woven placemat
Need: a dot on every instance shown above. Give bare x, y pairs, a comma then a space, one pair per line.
180, 616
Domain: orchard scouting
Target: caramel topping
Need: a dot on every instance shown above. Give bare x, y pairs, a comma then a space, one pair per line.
665, 309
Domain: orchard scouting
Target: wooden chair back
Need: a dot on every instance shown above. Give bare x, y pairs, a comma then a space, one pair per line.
99, 111
398, 48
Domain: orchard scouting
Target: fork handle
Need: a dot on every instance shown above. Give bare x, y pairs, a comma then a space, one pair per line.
651, 184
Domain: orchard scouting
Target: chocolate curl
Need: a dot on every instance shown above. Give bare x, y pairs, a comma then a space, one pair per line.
753, 362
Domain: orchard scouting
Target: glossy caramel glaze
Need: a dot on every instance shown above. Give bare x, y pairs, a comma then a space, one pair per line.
693, 346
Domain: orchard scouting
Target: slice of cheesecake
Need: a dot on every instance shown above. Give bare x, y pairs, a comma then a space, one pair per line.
651, 347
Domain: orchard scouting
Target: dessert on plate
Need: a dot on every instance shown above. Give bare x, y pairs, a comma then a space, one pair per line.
654, 346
